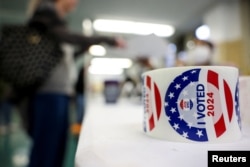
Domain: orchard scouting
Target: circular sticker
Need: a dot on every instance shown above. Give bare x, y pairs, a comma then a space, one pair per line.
199, 105
237, 105
152, 104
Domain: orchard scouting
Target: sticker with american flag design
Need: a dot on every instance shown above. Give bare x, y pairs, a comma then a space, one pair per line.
152, 103
199, 105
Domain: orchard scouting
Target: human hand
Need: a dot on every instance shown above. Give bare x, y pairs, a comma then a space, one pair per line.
120, 42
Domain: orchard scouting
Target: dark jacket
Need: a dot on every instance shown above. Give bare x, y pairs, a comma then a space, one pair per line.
45, 18
80, 84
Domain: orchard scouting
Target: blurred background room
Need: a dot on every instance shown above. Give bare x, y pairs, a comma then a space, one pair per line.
158, 34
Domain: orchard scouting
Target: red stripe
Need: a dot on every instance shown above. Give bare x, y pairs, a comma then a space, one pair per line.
181, 104
229, 100
220, 127
212, 77
157, 101
151, 123
148, 82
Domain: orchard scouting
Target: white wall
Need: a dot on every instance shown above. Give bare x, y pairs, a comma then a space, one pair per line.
224, 21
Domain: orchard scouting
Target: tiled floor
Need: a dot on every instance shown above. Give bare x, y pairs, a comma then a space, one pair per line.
15, 146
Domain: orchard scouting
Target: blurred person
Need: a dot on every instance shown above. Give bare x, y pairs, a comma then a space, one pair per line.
5, 107
200, 55
144, 66
49, 106
80, 98
128, 86
133, 75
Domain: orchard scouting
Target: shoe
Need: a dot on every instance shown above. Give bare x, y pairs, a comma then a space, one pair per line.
76, 129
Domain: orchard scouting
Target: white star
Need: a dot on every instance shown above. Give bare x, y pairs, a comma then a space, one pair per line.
173, 110
193, 99
171, 95
181, 117
238, 117
168, 118
194, 71
177, 86
190, 124
191, 83
176, 126
185, 92
185, 134
195, 115
185, 78
166, 104
199, 133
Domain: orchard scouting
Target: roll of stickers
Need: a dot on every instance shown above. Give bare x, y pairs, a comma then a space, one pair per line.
244, 98
192, 104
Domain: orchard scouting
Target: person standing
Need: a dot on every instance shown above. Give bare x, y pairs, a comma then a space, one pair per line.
5, 107
200, 55
49, 105
80, 101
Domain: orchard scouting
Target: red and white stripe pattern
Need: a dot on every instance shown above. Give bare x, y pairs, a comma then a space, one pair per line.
152, 102
220, 122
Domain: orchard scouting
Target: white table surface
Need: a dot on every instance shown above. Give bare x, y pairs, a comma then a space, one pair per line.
112, 136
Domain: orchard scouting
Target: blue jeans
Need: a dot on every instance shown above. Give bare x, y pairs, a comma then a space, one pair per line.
80, 108
5, 113
49, 129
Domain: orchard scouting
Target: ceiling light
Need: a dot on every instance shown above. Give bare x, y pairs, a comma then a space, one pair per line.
203, 32
111, 62
131, 27
93, 69
87, 27
97, 50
